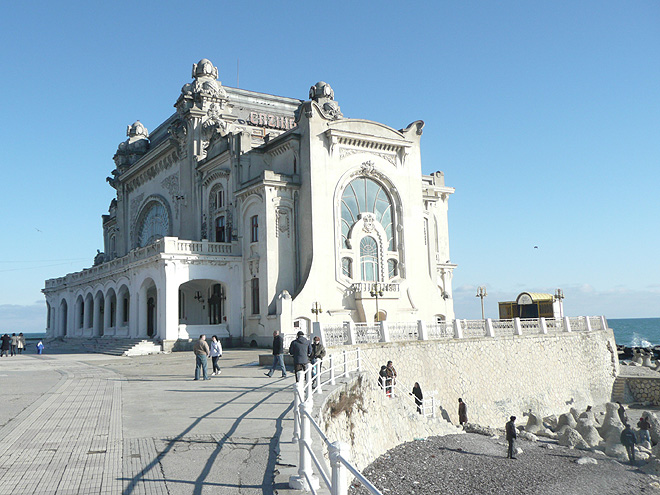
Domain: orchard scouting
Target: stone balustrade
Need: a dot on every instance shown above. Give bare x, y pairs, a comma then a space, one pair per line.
165, 246
349, 333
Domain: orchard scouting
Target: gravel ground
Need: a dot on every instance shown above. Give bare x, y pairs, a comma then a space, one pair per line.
476, 464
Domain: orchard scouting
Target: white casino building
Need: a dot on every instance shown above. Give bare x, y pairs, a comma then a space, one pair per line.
244, 211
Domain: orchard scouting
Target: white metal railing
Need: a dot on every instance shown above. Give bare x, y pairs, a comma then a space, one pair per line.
529, 326
474, 328
502, 327
308, 382
439, 330
312, 381
403, 331
333, 335
366, 333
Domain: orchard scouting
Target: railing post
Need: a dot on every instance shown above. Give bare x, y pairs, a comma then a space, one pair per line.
544, 326
305, 472
332, 370
587, 323
384, 332
339, 476
489, 328
433, 415
603, 322
567, 324
358, 359
422, 331
346, 372
350, 332
297, 393
458, 331
316, 371
517, 327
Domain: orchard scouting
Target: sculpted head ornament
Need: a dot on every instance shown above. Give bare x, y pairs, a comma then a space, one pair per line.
324, 96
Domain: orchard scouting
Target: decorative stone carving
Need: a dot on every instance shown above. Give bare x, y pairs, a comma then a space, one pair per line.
282, 221
152, 171
214, 126
171, 185
368, 222
179, 133
205, 87
130, 151
324, 96
344, 152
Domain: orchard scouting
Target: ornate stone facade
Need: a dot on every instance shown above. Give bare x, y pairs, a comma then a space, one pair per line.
240, 197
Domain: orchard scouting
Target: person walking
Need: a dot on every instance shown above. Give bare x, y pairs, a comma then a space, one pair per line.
511, 435
622, 414
6, 344
317, 355
419, 397
201, 350
40, 347
390, 378
301, 350
14, 344
462, 412
215, 352
278, 355
629, 440
21, 343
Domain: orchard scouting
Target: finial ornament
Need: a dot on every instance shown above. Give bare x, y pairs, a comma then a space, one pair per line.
322, 94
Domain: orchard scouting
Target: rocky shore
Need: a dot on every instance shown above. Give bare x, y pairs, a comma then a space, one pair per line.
476, 464
574, 453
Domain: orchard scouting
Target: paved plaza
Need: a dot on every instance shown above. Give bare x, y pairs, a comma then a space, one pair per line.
96, 424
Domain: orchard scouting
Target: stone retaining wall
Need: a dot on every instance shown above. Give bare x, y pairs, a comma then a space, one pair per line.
504, 376
645, 389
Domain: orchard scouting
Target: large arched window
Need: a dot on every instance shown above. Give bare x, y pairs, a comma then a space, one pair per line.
369, 259
363, 195
154, 224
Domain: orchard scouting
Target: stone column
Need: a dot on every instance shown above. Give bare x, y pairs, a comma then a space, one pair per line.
168, 304
517, 327
490, 332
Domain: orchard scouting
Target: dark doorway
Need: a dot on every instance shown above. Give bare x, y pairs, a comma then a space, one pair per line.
151, 316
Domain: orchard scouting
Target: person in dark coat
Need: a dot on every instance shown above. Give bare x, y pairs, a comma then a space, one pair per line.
622, 414
6, 343
644, 426
629, 440
511, 435
390, 378
462, 412
278, 354
381, 376
300, 349
317, 355
419, 397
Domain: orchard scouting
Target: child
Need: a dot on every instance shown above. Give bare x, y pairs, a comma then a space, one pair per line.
40, 347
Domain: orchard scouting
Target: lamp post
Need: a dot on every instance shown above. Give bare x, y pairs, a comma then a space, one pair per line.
316, 309
376, 290
481, 293
559, 296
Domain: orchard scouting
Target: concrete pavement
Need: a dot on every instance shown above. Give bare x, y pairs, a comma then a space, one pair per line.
88, 424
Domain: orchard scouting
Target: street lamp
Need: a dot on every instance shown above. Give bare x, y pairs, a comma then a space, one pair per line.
376, 290
481, 292
559, 295
316, 309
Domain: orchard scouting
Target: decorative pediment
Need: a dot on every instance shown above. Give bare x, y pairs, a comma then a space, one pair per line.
344, 144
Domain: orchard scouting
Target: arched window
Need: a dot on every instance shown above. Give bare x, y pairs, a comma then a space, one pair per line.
347, 267
363, 195
154, 224
220, 229
369, 259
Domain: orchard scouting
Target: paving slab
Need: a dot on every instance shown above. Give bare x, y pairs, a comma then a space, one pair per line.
88, 424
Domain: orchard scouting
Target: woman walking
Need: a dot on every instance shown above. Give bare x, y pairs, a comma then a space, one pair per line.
21, 343
215, 353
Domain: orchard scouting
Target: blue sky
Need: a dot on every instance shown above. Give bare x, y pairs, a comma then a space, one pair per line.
545, 117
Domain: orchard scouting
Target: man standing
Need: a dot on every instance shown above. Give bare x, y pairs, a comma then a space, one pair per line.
390, 378
201, 350
278, 354
629, 440
462, 412
317, 355
300, 349
644, 426
14, 344
511, 435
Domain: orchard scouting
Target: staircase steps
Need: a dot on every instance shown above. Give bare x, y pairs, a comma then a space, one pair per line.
618, 389
114, 346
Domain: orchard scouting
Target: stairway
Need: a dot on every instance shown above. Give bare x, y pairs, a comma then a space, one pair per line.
112, 346
618, 389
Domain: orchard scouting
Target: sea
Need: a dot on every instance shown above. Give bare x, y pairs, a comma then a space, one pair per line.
636, 332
